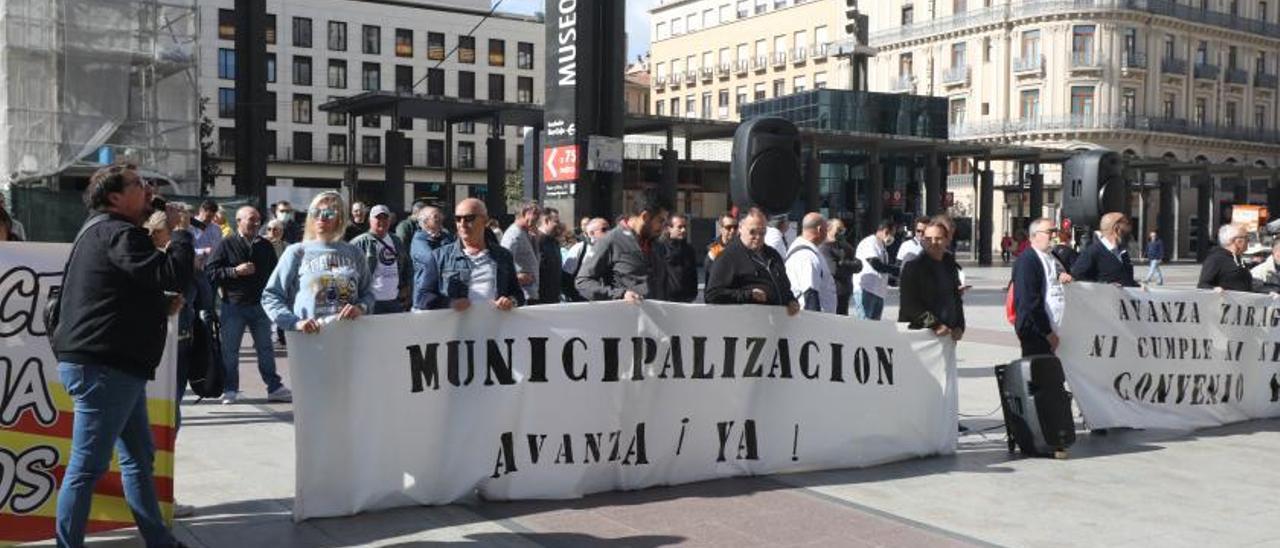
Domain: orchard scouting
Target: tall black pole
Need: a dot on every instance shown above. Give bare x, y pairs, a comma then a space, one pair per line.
251, 101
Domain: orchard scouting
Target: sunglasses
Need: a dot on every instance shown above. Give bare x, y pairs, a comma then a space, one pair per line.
729, 227
465, 219
325, 214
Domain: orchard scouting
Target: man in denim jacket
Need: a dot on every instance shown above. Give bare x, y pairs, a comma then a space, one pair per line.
473, 268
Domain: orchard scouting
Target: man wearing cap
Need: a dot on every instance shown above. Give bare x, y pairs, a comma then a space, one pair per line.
388, 260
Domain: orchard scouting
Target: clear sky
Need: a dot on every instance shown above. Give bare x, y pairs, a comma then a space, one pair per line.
637, 20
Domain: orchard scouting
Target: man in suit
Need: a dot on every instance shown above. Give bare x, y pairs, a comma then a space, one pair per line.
1106, 259
1038, 281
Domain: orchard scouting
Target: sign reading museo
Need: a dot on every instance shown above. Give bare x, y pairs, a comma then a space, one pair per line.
1171, 359
565, 400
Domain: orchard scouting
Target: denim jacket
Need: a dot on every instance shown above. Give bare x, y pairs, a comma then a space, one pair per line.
453, 272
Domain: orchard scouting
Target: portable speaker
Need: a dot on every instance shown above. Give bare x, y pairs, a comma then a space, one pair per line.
765, 172
1093, 184
1036, 405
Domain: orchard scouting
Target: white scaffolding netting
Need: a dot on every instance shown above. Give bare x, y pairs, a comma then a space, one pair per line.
84, 81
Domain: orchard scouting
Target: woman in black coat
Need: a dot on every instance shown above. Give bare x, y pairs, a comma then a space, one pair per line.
930, 287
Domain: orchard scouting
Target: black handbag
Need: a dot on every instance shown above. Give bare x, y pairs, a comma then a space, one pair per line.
205, 373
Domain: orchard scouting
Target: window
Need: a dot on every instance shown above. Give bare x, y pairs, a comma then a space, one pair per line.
404, 43
957, 55
271, 68
740, 96
706, 104
466, 154
1031, 45
404, 123
905, 63
271, 106
957, 112
758, 94
271, 28
675, 107
227, 142
301, 70
271, 144
761, 5
820, 35
435, 81
1168, 104
691, 22
1233, 57
301, 32
779, 87
1130, 38
371, 76
1201, 111
435, 46
677, 26
1260, 64
497, 87
337, 73
466, 84
660, 31
301, 108
743, 9
1170, 47
1081, 101
959, 6
226, 102
690, 106
1260, 116
226, 64
799, 84
1129, 103
337, 147
302, 146
524, 55
371, 149
1029, 104
708, 18
404, 79
726, 13
337, 118
1262, 11
467, 49
1082, 38
337, 36
497, 53
466, 128
819, 80
722, 109
1230, 115
908, 15
435, 153
524, 89
723, 58
227, 24
660, 70
779, 44
1202, 53
435, 124
988, 47
370, 121
743, 55
372, 39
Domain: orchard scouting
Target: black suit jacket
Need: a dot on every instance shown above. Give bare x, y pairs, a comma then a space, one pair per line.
1028, 292
1097, 264
920, 292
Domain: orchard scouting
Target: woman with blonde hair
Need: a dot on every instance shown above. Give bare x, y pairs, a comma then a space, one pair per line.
322, 278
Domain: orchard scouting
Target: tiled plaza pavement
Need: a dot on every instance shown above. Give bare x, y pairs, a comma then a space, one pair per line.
1210, 488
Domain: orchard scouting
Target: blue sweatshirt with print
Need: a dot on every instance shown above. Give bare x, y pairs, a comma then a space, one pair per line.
315, 279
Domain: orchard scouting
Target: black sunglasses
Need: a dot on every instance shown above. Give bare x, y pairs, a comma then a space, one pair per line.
460, 219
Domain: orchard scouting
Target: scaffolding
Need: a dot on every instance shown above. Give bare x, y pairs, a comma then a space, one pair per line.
89, 82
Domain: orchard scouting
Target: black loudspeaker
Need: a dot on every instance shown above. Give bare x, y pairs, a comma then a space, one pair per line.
1093, 184
1037, 406
397, 156
765, 172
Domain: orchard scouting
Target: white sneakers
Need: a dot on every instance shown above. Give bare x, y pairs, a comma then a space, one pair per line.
282, 394
183, 510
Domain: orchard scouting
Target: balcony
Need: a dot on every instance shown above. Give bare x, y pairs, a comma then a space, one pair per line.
1031, 65
724, 69
1268, 81
660, 82
762, 62
1173, 65
675, 79
903, 84
1205, 71
956, 76
799, 55
707, 73
741, 66
1237, 76
1085, 61
779, 58
690, 77
1133, 61
820, 50
1104, 122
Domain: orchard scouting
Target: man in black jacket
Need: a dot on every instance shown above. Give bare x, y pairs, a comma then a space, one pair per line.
749, 272
844, 265
240, 266
623, 265
1106, 259
680, 260
548, 245
930, 287
1038, 292
1224, 267
111, 334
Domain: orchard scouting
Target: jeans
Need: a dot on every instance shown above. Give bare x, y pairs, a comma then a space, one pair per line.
235, 317
867, 305
110, 411
1154, 271
387, 307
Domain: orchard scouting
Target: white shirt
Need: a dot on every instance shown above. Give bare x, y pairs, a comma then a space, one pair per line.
484, 278
868, 279
386, 272
776, 239
1055, 300
909, 249
808, 269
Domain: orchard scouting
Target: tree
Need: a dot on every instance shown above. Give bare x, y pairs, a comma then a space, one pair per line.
210, 169
513, 190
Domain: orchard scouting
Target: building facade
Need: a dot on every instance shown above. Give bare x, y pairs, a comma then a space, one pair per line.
321, 50
1189, 81
710, 57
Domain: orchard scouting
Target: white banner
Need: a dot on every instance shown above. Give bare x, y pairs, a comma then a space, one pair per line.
565, 400
1179, 359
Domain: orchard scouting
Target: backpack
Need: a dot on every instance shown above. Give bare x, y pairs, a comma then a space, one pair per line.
205, 372
1011, 306
53, 308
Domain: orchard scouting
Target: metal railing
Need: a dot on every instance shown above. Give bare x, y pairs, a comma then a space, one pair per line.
905, 83
1264, 80
707, 73
956, 75
995, 128
1006, 13
1173, 65
1134, 60
1237, 76
1206, 71
1030, 63
779, 58
724, 69
798, 55
690, 76
1085, 60
741, 66
762, 62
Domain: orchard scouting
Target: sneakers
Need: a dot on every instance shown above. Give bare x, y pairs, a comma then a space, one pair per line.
281, 394
230, 397
183, 510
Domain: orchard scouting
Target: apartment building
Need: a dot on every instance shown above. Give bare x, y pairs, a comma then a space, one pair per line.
321, 50
1179, 80
710, 57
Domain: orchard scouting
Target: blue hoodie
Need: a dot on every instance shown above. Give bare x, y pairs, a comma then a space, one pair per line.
315, 279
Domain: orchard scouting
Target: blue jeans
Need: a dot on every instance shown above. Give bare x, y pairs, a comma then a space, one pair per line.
235, 318
867, 305
110, 410
1153, 270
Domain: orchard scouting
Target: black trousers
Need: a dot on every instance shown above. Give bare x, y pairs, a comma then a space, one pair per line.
842, 304
1034, 345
